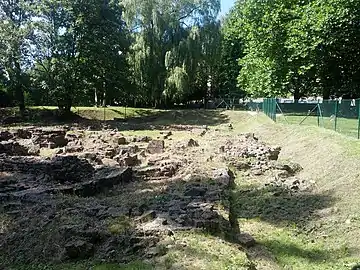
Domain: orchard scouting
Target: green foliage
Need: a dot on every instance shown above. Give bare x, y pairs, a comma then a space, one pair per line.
172, 50
156, 53
300, 48
232, 49
128, 52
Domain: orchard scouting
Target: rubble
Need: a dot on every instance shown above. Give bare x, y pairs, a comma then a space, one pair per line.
101, 190
156, 147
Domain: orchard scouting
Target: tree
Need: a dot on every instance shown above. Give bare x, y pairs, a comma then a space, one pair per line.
81, 52
169, 46
15, 45
299, 47
232, 50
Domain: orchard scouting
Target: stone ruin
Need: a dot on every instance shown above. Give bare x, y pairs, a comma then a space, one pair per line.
90, 192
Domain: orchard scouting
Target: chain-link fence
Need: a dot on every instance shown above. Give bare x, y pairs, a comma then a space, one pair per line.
341, 115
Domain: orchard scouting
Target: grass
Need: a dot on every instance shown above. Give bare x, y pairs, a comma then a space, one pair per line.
317, 230
120, 225
346, 126
320, 229
186, 251
93, 113
192, 250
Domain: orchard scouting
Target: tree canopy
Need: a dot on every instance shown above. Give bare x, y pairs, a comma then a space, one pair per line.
161, 52
298, 47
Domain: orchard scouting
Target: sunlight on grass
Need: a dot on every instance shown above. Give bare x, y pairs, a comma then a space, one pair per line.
348, 127
295, 250
201, 251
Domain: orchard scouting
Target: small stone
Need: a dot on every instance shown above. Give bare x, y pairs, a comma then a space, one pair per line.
246, 240
59, 151
89, 156
130, 161
167, 135
5, 135
274, 153
203, 133
195, 192
142, 139
156, 147
121, 141
223, 176
296, 182
242, 165
257, 172
148, 216
109, 162
192, 143
142, 153
110, 152
12, 148
74, 148
23, 134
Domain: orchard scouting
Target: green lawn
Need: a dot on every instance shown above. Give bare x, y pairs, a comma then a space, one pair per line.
346, 126
317, 230
36, 113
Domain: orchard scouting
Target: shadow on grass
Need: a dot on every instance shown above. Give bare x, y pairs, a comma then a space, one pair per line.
282, 208
133, 119
312, 255
278, 205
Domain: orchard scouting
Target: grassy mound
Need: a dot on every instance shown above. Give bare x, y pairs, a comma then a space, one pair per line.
315, 230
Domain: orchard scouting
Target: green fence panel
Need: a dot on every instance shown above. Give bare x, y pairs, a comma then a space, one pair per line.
341, 115
347, 117
269, 108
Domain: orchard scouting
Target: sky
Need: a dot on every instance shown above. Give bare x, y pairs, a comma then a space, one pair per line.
226, 5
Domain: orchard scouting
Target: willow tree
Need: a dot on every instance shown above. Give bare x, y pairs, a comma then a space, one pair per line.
168, 46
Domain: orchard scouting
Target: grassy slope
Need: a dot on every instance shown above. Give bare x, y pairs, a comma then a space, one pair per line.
346, 126
327, 236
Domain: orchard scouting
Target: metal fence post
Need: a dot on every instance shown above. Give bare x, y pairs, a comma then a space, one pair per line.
336, 113
318, 114
274, 109
264, 106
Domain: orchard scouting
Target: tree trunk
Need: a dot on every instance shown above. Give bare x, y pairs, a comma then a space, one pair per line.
20, 99
326, 93
96, 99
297, 95
104, 96
68, 105
19, 92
